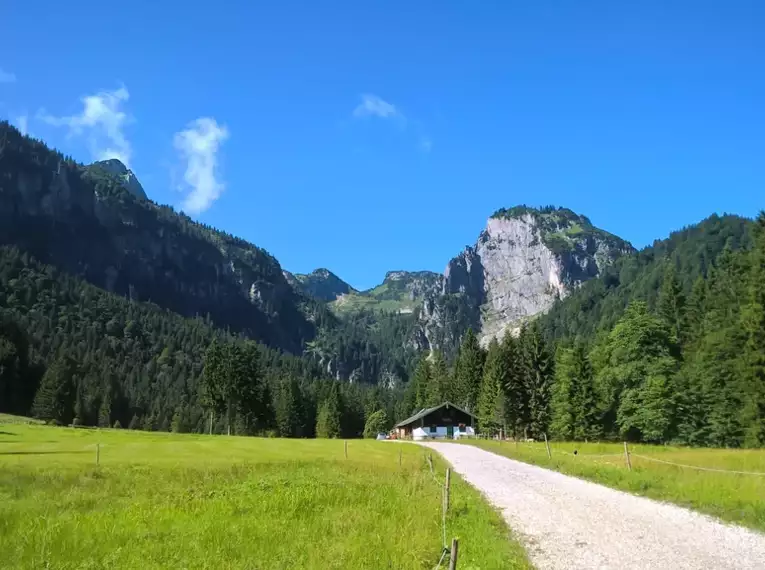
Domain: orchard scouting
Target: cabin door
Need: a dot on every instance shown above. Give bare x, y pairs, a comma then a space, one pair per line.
449, 432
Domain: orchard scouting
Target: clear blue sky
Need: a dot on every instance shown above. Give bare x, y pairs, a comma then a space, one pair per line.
645, 116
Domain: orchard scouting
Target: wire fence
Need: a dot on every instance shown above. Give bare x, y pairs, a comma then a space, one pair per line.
628, 454
445, 490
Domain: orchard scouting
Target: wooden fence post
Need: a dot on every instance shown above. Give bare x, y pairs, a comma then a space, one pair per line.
547, 445
211, 421
627, 456
447, 486
98, 454
453, 554
346, 449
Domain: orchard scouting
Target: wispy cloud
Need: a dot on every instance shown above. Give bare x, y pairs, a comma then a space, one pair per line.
374, 106
101, 121
198, 146
22, 122
426, 144
7, 76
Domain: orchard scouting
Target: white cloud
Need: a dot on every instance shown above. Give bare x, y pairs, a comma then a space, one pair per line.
22, 122
102, 121
7, 76
374, 106
426, 144
198, 145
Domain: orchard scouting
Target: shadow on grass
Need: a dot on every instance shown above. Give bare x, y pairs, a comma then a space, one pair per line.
41, 452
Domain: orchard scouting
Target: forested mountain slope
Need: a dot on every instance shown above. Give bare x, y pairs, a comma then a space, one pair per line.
84, 221
690, 252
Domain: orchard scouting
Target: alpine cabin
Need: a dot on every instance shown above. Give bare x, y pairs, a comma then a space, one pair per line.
446, 421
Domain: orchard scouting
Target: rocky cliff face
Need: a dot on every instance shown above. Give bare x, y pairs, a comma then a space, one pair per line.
86, 222
521, 264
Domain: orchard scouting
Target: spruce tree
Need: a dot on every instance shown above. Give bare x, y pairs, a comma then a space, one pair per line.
538, 370
491, 400
563, 413
328, 417
753, 360
56, 396
376, 423
438, 380
468, 372
105, 410
671, 304
516, 409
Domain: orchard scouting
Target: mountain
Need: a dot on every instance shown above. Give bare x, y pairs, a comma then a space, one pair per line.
85, 221
114, 167
320, 284
523, 262
400, 292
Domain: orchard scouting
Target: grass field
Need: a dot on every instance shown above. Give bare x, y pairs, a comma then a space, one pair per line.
188, 501
731, 497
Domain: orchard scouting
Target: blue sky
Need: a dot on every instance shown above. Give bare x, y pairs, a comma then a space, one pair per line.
368, 136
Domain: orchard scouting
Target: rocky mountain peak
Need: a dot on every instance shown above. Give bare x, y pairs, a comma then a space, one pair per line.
523, 261
116, 168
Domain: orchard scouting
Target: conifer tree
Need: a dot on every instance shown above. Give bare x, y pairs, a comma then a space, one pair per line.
438, 380
753, 361
468, 372
56, 396
491, 400
516, 408
328, 417
538, 371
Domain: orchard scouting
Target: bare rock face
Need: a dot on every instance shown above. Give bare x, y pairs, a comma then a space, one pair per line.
521, 264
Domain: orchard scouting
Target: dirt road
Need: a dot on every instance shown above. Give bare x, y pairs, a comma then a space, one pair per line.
567, 523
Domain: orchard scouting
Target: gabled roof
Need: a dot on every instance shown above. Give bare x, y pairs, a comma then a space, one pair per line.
425, 411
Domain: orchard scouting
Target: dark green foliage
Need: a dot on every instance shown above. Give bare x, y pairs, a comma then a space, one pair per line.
517, 402
328, 417
376, 423
437, 389
537, 371
468, 372
491, 400
55, 398
574, 408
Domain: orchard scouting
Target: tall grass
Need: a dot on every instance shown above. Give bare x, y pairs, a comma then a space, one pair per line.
729, 496
190, 501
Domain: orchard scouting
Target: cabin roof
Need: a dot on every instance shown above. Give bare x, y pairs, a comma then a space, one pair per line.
425, 411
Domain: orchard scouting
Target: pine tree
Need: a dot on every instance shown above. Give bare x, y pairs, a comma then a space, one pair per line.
419, 385
516, 397
438, 380
491, 400
328, 417
538, 371
288, 412
56, 396
135, 422
753, 320
671, 304
563, 413
468, 372
105, 410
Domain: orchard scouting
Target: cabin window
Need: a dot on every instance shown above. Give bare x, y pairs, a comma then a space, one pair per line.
433, 429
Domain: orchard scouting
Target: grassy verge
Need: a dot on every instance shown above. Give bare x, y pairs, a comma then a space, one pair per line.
731, 497
188, 501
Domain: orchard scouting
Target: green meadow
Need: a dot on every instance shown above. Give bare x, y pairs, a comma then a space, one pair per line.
159, 500
738, 498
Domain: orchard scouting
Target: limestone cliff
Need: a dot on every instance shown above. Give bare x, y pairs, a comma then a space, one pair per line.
521, 264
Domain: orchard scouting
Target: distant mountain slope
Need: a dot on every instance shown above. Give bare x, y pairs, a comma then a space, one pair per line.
400, 292
83, 220
320, 284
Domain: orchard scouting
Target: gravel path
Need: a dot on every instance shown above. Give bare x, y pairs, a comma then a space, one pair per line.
568, 523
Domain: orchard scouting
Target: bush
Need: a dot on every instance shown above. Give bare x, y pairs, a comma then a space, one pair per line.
117, 425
